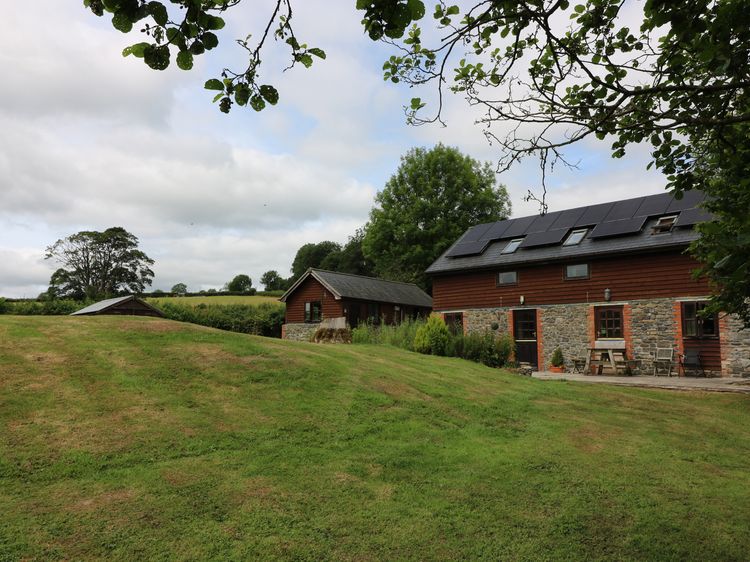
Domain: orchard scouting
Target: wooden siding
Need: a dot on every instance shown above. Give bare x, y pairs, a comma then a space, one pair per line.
627, 277
311, 290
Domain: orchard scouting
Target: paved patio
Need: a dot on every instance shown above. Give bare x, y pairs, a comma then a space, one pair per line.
725, 384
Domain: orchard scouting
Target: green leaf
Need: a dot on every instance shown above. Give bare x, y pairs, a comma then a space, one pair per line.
156, 57
214, 84
121, 22
257, 103
209, 40
215, 23
185, 60
218, 96
136, 50
305, 59
158, 11
242, 94
317, 52
416, 7
269, 93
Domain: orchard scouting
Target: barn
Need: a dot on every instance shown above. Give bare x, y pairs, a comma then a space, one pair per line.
126, 306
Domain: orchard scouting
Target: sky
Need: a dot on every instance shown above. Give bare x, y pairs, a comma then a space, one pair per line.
91, 140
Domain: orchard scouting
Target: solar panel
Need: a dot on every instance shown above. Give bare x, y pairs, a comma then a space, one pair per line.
496, 231
545, 238
518, 227
693, 216
475, 232
468, 248
618, 228
654, 205
543, 222
594, 214
567, 219
689, 200
624, 209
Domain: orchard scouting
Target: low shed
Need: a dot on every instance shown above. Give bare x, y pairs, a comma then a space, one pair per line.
125, 306
319, 294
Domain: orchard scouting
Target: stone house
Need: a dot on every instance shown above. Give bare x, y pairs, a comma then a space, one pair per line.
612, 275
319, 295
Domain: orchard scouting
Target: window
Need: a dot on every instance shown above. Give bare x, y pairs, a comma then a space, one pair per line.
507, 278
697, 325
577, 271
455, 322
575, 237
512, 246
609, 322
312, 311
373, 312
664, 224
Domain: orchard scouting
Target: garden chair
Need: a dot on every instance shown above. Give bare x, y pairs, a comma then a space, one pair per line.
663, 360
691, 359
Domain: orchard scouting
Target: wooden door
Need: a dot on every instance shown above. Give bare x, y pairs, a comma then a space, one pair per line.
524, 332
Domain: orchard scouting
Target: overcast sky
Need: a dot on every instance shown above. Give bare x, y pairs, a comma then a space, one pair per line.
90, 140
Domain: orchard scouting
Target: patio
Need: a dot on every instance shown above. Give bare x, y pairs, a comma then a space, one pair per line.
724, 384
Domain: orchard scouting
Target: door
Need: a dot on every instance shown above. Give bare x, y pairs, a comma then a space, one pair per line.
352, 314
524, 332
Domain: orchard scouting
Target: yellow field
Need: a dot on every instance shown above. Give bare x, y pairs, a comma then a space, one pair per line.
221, 299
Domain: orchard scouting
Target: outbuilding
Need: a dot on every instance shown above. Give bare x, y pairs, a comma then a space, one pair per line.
319, 295
125, 306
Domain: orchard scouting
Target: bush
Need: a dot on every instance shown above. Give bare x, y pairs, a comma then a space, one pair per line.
50, 307
3, 305
262, 320
557, 359
399, 335
505, 347
433, 337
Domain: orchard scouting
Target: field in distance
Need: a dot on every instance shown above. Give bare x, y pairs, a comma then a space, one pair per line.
219, 299
131, 438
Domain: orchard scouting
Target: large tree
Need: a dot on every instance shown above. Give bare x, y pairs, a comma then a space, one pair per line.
99, 264
351, 258
272, 281
433, 197
312, 255
547, 73
240, 284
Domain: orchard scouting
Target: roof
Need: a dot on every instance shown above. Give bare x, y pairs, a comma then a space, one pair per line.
350, 286
107, 304
618, 227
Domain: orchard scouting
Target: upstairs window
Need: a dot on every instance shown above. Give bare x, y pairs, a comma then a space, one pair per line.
575, 237
512, 246
507, 278
697, 325
664, 224
312, 311
577, 271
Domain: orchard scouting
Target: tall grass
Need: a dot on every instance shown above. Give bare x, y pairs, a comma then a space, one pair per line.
400, 335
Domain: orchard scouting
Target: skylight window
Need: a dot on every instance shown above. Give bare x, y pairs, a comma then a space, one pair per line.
512, 246
575, 237
664, 224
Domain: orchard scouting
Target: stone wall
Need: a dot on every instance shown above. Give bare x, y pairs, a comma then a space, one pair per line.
299, 332
653, 325
480, 320
735, 356
564, 326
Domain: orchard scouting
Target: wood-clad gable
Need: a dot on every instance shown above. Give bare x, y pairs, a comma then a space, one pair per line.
311, 290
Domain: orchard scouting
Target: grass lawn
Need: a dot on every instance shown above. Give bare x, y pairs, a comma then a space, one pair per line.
141, 438
220, 299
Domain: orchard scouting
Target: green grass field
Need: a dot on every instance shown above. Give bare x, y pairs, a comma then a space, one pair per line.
146, 439
220, 299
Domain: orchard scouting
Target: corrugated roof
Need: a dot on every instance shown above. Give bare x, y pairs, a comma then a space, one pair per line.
350, 286
643, 210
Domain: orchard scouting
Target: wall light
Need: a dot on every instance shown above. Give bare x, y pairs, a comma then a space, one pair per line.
522, 299
607, 295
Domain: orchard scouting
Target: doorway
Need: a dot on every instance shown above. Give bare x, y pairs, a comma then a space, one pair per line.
524, 333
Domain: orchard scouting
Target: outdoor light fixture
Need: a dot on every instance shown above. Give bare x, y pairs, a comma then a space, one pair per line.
522, 299
607, 295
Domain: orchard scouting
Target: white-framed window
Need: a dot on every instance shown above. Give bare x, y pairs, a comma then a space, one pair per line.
664, 224
507, 278
512, 246
575, 237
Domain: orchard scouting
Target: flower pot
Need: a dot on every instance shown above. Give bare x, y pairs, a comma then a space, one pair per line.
554, 369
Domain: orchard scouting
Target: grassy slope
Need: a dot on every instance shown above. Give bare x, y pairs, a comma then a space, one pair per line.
221, 299
143, 438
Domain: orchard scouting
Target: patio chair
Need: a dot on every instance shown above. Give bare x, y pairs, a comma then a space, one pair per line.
663, 360
578, 365
691, 359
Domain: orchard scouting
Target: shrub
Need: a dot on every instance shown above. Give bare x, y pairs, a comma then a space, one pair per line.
557, 358
3, 305
433, 337
505, 346
262, 320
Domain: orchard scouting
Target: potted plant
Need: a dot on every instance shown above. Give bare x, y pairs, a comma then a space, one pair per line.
557, 362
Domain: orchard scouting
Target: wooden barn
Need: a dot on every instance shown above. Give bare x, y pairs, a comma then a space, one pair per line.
319, 294
603, 282
125, 306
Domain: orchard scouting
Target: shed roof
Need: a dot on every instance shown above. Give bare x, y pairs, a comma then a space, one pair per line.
107, 304
618, 227
350, 286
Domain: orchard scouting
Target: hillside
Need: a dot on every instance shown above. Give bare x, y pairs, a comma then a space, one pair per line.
139, 438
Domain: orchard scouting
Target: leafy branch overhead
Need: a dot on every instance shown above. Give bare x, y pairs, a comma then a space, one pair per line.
192, 33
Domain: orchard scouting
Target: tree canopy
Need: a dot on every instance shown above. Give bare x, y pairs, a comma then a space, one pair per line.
433, 197
240, 284
98, 264
312, 255
179, 289
272, 281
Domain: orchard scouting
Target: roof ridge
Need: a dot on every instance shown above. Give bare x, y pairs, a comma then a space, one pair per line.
364, 277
